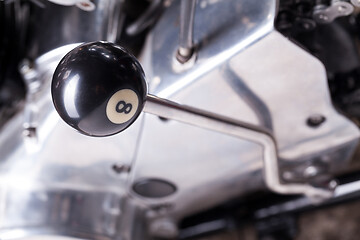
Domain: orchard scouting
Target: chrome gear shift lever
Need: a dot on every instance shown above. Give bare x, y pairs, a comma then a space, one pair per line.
99, 89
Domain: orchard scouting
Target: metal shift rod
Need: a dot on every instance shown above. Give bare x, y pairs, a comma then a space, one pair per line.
106, 99
186, 42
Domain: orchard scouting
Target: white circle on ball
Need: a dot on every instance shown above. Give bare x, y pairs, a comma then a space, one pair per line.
122, 106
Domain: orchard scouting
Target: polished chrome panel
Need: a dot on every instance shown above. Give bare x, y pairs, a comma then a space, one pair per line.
57, 212
247, 71
246, 131
64, 165
219, 38
53, 180
292, 88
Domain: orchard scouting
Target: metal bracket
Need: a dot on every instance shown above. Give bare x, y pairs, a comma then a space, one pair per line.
337, 8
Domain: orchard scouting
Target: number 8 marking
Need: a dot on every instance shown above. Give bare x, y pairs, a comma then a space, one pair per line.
125, 107
122, 106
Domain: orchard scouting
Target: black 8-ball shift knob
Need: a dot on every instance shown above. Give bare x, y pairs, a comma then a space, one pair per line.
99, 89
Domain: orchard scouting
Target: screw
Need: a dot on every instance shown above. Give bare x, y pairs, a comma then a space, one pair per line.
121, 168
315, 120
184, 54
311, 171
333, 184
30, 132
323, 17
341, 9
